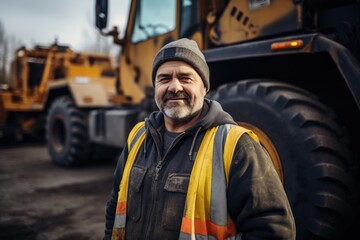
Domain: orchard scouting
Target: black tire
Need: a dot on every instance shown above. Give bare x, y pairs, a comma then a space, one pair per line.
307, 147
66, 132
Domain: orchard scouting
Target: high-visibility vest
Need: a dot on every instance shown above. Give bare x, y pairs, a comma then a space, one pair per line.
205, 214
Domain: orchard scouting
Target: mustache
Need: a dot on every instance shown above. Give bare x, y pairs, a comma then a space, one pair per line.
176, 95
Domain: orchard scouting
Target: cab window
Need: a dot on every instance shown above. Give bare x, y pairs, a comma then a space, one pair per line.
153, 18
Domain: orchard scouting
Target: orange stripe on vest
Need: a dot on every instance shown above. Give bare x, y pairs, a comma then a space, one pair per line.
205, 228
121, 207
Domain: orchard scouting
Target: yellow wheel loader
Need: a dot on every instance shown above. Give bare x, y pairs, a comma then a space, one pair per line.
50, 93
287, 69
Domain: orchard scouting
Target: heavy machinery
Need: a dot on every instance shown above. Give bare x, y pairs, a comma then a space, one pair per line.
56, 87
287, 69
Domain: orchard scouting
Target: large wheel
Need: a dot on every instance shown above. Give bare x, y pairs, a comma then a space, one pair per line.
307, 148
66, 132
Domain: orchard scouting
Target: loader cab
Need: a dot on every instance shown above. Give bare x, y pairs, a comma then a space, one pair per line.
29, 69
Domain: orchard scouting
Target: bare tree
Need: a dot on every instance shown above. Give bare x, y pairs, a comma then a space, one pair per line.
3, 53
8, 45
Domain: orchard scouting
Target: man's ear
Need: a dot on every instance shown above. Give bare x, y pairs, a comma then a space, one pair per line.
205, 91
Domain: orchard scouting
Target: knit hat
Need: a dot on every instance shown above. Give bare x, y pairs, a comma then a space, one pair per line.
185, 50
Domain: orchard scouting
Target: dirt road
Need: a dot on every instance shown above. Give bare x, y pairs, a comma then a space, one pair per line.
40, 201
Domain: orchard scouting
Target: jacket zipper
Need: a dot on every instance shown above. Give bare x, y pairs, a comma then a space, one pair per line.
161, 163
158, 168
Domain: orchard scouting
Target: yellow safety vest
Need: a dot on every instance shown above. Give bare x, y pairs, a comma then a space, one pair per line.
206, 206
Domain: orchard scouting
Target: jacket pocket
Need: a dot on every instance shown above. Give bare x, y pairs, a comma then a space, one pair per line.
135, 193
176, 188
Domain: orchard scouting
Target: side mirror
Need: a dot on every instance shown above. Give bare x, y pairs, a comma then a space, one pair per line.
101, 12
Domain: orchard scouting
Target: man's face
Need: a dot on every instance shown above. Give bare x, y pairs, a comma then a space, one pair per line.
179, 91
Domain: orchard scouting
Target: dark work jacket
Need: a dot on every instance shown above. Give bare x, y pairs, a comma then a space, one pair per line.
158, 184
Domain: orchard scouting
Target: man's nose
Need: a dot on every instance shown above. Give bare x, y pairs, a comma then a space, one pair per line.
175, 85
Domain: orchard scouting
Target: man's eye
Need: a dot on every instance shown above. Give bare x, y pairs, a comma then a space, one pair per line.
164, 79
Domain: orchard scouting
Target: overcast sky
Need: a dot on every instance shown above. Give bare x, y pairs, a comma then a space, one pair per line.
39, 22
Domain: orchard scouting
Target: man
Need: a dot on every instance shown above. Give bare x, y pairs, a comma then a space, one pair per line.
190, 171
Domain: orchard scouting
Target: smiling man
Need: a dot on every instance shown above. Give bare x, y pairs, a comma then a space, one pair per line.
179, 94
189, 171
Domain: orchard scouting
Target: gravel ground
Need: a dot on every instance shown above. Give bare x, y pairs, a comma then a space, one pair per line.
39, 200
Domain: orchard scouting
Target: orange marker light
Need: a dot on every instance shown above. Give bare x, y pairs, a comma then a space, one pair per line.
294, 44
88, 99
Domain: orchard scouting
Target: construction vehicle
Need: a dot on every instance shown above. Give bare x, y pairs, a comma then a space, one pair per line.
50, 92
287, 69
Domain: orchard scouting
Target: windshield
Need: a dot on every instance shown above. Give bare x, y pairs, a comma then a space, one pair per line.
153, 18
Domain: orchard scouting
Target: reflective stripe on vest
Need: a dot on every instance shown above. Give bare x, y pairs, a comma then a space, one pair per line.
135, 139
205, 215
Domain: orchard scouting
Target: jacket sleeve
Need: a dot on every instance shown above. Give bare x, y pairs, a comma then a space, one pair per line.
112, 202
257, 201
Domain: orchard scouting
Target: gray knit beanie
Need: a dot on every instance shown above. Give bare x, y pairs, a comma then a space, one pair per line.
185, 50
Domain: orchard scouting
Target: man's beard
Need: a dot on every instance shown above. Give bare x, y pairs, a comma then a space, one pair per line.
177, 111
